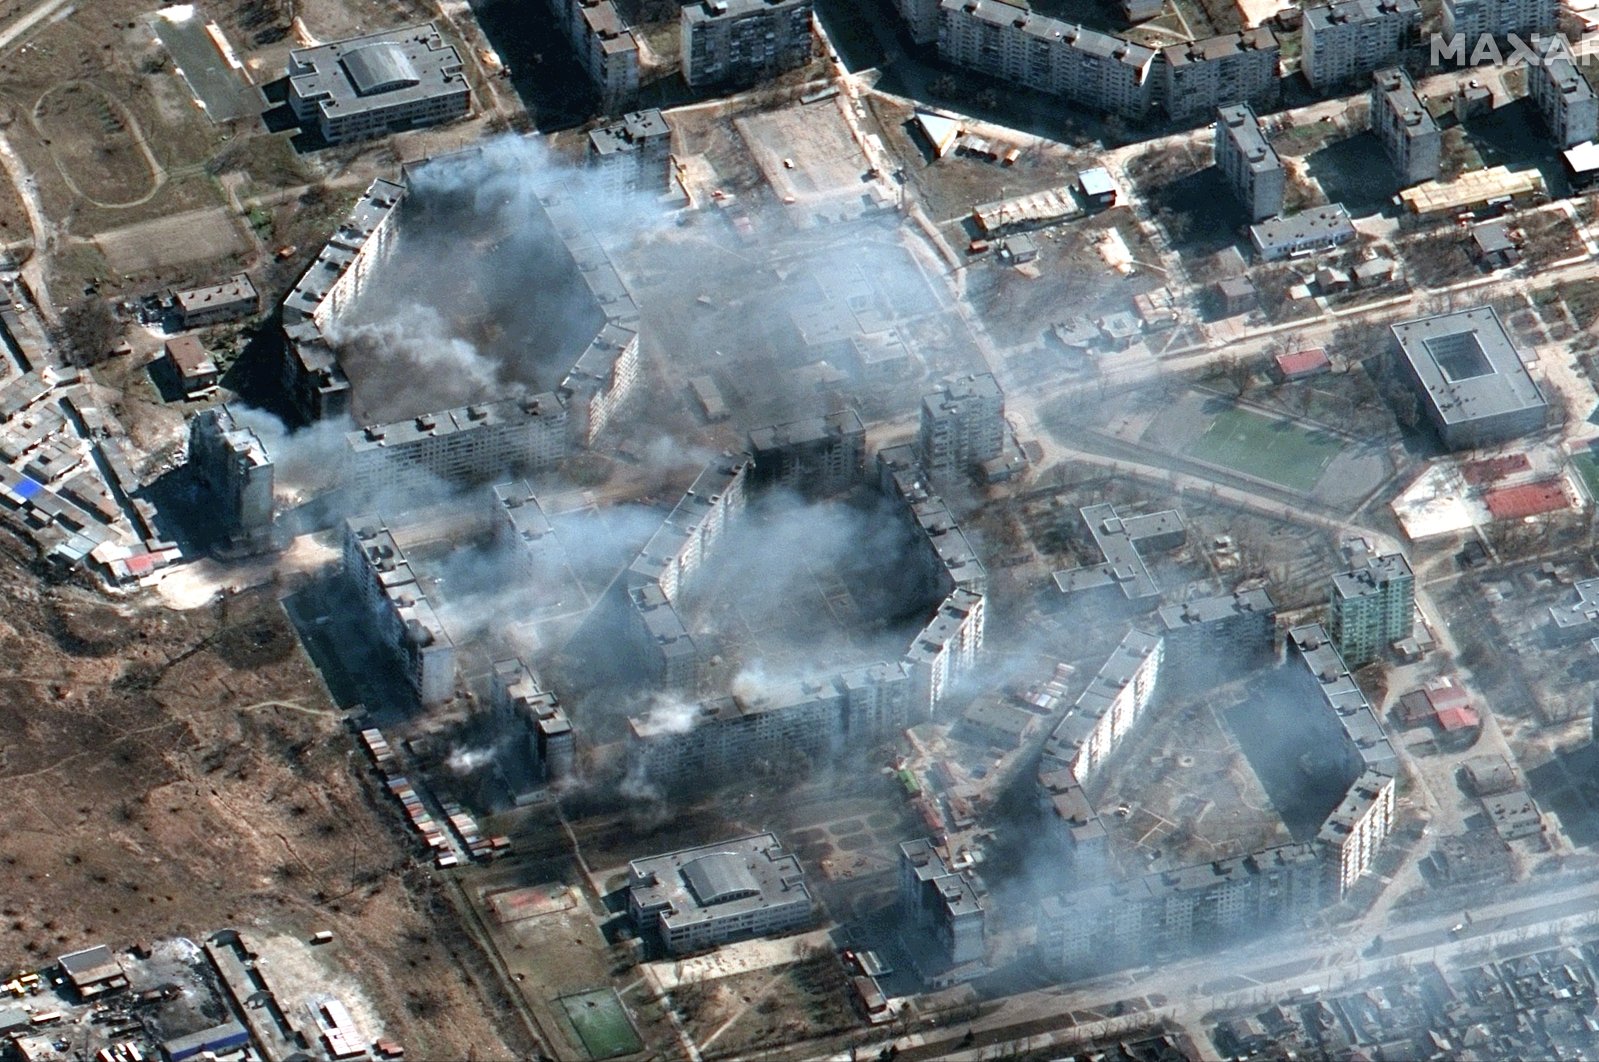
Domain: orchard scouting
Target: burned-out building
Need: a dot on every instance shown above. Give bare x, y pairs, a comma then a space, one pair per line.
521, 701
233, 468
816, 457
946, 904
1212, 635
404, 620
471, 444
633, 154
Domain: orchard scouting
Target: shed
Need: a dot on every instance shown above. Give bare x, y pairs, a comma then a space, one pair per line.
1097, 186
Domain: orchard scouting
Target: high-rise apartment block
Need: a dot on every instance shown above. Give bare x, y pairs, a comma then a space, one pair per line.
473, 443
1347, 40
1474, 20
945, 902
740, 42
233, 466
921, 19
633, 153
1408, 133
816, 456
520, 700
1371, 608
394, 599
962, 425
1248, 163
606, 49
1205, 74
1565, 100
1204, 634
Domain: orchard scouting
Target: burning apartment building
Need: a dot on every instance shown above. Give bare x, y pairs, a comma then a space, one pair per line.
810, 716
523, 705
403, 620
1104, 924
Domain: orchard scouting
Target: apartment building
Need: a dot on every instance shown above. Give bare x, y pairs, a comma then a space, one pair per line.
1474, 20
404, 619
233, 466
686, 538
741, 42
920, 18
817, 456
1354, 833
378, 84
1346, 40
945, 650
1202, 75
1407, 131
1564, 99
1108, 708
1372, 607
1093, 69
601, 381
470, 444
1228, 632
1249, 164
360, 243
946, 903
632, 154
606, 49
962, 425
520, 700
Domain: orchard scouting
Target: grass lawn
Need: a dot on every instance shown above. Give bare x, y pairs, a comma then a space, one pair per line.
1268, 449
602, 1022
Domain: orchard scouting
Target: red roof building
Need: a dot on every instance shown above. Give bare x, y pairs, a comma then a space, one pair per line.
1302, 363
1493, 469
1455, 719
1512, 503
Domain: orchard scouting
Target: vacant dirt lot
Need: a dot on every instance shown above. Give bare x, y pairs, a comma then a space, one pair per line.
175, 773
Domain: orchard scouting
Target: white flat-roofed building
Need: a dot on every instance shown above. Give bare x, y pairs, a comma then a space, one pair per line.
1347, 40
945, 649
232, 300
1408, 133
378, 84
601, 380
702, 897
1249, 164
1108, 708
1316, 229
962, 425
337, 277
1472, 383
740, 42
406, 622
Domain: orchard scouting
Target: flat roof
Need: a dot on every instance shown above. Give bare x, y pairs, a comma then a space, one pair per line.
807, 431
718, 880
1210, 49
715, 10
1090, 42
378, 70
1468, 365
235, 289
1242, 128
1203, 610
1330, 222
1398, 94
1347, 12
1343, 696
1377, 573
1117, 540
629, 132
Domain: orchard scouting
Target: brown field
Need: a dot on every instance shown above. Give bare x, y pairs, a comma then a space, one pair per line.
174, 773
94, 143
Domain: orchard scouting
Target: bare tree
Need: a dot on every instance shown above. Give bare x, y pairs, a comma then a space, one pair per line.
88, 331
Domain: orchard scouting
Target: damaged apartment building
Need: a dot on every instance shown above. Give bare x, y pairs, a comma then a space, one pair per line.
811, 716
523, 705
489, 439
232, 467
403, 619
1104, 924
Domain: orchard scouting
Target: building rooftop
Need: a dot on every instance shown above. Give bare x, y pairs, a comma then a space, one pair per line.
1118, 540
807, 431
451, 421
1210, 49
1330, 222
377, 70
712, 10
1377, 573
189, 356
1239, 124
1340, 693
1468, 365
371, 210
1354, 12
196, 300
629, 133
522, 509
1474, 188
717, 880
1397, 93
1581, 613
1123, 663
1204, 610
1041, 27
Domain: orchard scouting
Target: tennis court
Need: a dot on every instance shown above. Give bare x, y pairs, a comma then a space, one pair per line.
1273, 450
602, 1023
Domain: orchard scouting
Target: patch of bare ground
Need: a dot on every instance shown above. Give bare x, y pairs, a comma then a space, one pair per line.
176, 773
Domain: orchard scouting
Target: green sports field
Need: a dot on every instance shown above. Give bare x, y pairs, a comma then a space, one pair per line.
602, 1022
1587, 466
1273, 450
